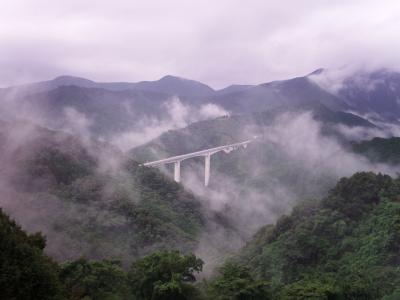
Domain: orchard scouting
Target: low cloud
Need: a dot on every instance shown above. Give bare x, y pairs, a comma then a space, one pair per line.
292, 160
335, 79
211, 111
177, 115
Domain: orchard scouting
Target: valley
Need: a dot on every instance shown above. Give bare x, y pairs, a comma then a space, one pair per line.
304, 209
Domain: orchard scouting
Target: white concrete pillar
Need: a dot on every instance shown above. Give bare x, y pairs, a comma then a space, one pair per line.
207, 169
177, 171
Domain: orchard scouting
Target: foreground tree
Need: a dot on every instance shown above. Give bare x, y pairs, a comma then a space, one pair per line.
97, 280
25, 272
165, 275
236, 283
344, 246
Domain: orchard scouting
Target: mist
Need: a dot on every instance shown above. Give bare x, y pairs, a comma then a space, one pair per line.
177, 115
28, 137
292, 160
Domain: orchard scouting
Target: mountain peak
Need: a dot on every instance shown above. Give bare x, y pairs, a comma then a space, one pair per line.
71, 80
316, 72
172, 77
177, 85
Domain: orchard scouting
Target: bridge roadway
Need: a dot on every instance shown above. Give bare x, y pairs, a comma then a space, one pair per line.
176, 160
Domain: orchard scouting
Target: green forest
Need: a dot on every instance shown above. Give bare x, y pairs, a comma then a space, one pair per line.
344, 246
301, 213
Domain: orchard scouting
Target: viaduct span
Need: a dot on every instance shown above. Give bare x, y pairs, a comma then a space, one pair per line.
176, 160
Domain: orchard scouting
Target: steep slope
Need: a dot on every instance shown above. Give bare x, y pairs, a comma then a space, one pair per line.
377, 93
89, 200
107, 112
294, 93
380, 150
234, 88
373, 93
107, 109
294, 156
114, 108
227, 130
343, 247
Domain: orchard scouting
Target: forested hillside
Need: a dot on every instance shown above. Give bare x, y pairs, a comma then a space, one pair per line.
380, 149
345, 246
199, 150
90, 200
293, 155
112, 108
230, 129
27, 273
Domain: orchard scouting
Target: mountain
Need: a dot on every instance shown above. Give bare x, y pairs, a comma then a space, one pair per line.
43, 86
120, 107
171, 85
226, 130
345, 246
106, 112
89, 200
106, 109
92, 200
176, 86
234, 88
296, 155
375, 93
298, 92
381, 150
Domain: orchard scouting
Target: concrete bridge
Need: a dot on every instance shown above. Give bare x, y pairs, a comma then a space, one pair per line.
176, 160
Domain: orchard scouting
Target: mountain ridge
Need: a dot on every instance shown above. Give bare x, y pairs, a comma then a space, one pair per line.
121, 104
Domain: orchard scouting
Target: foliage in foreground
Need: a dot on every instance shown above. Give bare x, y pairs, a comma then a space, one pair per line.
26, 273
165, 275
346, 246
97, 203
236, 282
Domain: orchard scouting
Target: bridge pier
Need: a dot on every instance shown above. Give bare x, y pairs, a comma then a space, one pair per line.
176, 160
207, 164
177, 171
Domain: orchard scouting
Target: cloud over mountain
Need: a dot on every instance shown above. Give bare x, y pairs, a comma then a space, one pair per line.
222, 43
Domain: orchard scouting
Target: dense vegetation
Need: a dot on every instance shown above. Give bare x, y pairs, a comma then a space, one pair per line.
123, 219
89, 200
270, 174
346, 246
266, 163
382, 150
26, 273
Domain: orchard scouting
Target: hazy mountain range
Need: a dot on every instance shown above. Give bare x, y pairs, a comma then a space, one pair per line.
118, 107
71, 148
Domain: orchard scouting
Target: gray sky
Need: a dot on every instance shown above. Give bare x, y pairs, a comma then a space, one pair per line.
217, 42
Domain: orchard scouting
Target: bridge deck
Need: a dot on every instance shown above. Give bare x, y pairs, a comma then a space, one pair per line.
205, 152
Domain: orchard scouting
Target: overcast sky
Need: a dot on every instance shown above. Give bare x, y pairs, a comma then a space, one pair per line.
218, 42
